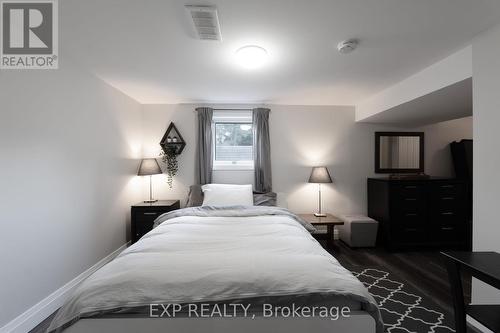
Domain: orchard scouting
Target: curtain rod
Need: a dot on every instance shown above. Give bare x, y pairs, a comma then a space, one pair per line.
230, 109
233, 109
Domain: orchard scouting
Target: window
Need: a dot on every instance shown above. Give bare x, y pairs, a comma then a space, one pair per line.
233, 140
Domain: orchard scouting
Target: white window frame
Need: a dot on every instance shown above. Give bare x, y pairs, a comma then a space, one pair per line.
230, 116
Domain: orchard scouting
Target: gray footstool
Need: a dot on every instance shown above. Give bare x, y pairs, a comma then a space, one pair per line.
358, 230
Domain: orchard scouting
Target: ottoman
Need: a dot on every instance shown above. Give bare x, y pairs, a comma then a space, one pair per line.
358, 230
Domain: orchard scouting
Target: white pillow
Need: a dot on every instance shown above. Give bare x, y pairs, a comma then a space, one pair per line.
227, 195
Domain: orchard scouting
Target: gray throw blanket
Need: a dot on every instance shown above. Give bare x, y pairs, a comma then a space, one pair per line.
232, 211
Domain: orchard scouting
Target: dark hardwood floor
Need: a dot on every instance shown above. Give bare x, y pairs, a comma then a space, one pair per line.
424, 271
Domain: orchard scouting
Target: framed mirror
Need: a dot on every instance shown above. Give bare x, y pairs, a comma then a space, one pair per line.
399, 152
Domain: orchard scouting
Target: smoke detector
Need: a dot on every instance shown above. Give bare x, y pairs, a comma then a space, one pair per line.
347, 46
205, 21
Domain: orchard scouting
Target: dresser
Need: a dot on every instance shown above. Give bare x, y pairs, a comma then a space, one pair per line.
421, 213
143, 216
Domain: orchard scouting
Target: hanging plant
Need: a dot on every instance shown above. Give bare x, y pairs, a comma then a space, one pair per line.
169, 157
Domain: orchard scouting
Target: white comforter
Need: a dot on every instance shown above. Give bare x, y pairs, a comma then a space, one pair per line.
192, 259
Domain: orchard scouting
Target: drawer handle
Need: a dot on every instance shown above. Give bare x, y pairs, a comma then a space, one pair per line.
447, 186
411, 214
410, 187
147, 213
447, 228
411, 199
411, 229
448, 198
447, 213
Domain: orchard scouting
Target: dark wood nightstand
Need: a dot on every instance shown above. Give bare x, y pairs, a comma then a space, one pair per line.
329, 220
144, 214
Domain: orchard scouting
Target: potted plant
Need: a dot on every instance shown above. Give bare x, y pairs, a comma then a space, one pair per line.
169, 157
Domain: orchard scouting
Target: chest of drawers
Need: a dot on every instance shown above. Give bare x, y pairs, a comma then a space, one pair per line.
419, 213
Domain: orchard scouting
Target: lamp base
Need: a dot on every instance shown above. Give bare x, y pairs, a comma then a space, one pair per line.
319, 215
150, 201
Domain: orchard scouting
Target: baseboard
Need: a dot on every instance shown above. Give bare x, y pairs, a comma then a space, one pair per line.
40, 311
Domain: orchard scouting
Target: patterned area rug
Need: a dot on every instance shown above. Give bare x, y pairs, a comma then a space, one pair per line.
402, 309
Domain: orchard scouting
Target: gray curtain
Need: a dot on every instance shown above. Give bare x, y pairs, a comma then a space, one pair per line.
205, 157
262, 150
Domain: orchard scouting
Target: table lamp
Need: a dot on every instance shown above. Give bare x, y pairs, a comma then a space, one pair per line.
320, 175
149, 167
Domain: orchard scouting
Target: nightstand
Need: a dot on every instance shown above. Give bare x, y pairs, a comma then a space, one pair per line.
144, 214
329, 220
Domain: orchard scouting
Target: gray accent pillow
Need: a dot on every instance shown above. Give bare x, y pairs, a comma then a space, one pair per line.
195, 197
264, 199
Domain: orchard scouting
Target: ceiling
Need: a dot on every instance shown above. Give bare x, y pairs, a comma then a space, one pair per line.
148, 49
451, 102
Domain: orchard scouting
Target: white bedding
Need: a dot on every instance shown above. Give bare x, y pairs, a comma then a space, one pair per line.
192, 259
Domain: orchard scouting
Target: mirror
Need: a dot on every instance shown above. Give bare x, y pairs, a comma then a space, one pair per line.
399, 152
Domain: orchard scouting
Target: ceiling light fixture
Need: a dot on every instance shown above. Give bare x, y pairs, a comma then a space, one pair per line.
251, 56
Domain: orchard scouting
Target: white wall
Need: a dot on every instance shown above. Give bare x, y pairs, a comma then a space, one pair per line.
305, 136
438, 160
69, 146
302, 136
486, 66
156, 119
454, 68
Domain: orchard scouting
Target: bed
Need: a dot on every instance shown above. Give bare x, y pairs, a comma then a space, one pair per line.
262, 260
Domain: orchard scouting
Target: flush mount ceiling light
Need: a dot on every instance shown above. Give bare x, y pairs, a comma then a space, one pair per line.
251, 56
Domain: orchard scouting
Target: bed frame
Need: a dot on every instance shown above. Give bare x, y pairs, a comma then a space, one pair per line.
358, 322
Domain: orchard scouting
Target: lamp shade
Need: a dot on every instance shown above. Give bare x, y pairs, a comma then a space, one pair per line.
320, 175
148, 167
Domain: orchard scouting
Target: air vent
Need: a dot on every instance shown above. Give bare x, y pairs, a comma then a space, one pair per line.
205, 21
